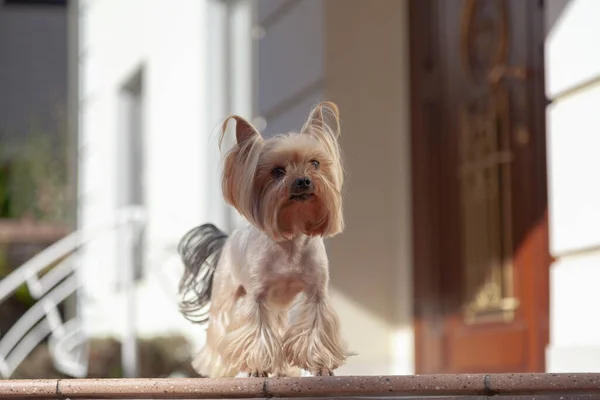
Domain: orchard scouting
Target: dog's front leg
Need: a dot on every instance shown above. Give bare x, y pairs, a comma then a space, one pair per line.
252, 343
313, 340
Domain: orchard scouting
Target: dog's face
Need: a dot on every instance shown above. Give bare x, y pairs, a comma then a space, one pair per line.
290, 184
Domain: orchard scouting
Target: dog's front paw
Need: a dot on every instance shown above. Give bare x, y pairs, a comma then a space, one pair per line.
252, 352
258, 374
314, 351
323, 372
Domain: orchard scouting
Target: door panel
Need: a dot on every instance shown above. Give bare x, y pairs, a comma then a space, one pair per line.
479, 185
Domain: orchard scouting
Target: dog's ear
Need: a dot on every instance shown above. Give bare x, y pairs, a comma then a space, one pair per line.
239, 166
324, 125
325, 117
243, 129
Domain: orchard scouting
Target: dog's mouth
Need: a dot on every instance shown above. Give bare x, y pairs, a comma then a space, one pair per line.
301, 197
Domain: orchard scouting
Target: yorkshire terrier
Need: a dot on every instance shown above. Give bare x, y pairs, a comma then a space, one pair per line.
267, 284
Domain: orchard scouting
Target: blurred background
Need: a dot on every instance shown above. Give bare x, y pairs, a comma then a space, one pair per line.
472, 240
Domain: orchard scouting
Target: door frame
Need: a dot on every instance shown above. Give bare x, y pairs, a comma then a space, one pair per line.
426, 78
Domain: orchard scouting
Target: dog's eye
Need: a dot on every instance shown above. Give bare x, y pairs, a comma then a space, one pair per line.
316, 164
278, 172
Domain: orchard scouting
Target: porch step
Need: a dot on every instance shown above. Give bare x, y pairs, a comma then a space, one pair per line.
506, 386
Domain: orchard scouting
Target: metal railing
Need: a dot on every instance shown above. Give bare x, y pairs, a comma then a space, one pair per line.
477, 386
43, 319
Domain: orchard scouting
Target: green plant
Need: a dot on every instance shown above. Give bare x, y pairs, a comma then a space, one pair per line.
35, 182
21, 294
4, 268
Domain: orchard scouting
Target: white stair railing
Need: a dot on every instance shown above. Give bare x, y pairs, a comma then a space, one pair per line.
67, 343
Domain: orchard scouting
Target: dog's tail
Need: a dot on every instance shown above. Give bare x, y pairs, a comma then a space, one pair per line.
200, 250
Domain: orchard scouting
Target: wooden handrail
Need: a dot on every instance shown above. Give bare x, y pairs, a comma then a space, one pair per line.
524, 385
17, 231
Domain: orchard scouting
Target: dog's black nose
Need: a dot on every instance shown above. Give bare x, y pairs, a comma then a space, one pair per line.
302, 183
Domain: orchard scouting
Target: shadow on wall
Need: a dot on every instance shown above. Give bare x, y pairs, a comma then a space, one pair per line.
371, 260
554, 11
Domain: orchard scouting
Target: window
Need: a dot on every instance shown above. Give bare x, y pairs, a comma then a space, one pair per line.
130, 170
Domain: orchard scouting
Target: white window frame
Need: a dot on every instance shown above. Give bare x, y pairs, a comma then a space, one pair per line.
131, 137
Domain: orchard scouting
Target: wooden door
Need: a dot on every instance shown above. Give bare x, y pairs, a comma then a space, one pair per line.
479, 185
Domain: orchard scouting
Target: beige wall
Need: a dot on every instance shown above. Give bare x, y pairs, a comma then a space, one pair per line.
366, 68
